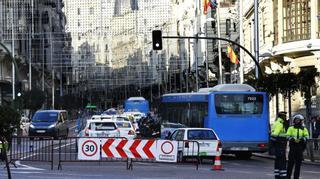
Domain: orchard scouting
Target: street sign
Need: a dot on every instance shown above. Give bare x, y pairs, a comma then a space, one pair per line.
89, 149
122, 148
167, 151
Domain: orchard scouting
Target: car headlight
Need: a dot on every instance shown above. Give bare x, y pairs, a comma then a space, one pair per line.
52, 125
31, 126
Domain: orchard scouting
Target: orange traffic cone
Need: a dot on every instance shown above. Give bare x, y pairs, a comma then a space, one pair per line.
217, 163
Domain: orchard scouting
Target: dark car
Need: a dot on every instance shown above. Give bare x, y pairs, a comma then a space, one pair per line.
49, 123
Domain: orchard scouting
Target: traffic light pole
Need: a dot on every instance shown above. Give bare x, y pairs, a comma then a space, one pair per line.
223, 39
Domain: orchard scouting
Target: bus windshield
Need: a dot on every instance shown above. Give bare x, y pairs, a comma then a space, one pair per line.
239, 104
188, 114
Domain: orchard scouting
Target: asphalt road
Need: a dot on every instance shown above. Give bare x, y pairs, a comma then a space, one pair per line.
232, 168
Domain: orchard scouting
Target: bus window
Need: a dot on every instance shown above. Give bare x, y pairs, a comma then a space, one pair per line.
189, 114
238, 103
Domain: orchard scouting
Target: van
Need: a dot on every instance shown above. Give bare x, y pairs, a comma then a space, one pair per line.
49, 123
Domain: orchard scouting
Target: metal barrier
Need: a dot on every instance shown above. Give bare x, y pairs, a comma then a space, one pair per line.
46, 149
68, 151
189, 149
31, 149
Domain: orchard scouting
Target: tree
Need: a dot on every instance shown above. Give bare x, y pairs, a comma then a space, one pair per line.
306, 79
9, 121
69, 102
275, 83
33, 99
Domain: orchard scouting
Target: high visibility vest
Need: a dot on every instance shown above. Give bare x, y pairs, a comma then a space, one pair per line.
297, 133
278, 129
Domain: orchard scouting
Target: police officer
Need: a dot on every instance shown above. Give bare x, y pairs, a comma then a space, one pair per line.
297, 136
278, 137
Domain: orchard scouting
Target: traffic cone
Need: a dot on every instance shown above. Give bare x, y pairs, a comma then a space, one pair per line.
217, 163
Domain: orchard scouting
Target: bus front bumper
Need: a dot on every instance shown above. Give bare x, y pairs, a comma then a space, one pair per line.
234, 147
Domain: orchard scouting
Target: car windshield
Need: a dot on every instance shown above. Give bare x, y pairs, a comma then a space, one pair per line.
201, 135
45, 117
123, 125
103, 126
122, 119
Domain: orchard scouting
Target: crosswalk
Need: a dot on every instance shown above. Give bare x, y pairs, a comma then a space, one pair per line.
20, 169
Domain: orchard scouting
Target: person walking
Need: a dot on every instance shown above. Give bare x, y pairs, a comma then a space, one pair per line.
279, 140
316, 131
297, 136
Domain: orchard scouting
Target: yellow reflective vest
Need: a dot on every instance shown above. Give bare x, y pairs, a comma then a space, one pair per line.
278, 129
297, 133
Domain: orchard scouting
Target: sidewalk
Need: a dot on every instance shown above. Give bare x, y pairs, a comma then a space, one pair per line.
305, 161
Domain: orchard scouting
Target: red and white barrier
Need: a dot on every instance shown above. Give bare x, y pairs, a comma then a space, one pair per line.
121, 148
160, 150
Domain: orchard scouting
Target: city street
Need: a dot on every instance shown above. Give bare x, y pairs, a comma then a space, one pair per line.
159, 89
240, 169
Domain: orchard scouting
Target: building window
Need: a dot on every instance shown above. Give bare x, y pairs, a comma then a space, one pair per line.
79, 11
296, 20
91, 10
275, 22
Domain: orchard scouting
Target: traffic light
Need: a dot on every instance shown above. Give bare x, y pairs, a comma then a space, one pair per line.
157, 40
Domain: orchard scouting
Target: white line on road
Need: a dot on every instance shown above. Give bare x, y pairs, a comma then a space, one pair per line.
24, 172
311, 172
73, 127
64, 145
26, 167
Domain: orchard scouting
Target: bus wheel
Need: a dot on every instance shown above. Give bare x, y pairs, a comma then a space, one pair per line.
244, 155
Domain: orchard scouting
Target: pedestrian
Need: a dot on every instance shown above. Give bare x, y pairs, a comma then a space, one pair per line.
316, 131
297, 136
279, 140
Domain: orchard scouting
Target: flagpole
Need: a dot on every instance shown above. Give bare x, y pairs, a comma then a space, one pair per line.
219, 43
241, 42
256, 33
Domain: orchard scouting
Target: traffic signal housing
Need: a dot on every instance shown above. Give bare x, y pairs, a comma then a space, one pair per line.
157, 40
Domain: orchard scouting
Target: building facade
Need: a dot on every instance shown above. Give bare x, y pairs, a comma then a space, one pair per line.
289, 33
36, 31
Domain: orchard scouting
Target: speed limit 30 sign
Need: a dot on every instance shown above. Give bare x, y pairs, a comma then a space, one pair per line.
88, 149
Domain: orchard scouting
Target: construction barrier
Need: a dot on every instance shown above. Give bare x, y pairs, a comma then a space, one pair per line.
97, 149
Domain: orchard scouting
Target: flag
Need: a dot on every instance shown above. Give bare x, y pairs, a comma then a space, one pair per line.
209, 3
232, 55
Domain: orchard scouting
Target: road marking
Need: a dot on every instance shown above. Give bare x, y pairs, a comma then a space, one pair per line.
64, 145
27, 167
73, 127
26, 172
311, 172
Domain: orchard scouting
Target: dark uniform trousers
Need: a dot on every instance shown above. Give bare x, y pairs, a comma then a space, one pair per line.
280, 170
295, 159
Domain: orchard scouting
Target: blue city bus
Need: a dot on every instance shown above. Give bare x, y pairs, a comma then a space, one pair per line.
136, 104
238, 114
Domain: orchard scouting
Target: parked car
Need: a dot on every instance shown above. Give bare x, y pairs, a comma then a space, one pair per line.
126, 129
189, 139
49, 123
93, 117
168, 128
100, 128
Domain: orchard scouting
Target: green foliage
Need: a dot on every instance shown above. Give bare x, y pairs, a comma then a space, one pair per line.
9, 120
307, 79
275, 83
68, 102
33, 99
